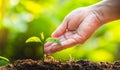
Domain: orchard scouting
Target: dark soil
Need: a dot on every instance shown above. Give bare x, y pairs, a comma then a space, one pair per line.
29, 64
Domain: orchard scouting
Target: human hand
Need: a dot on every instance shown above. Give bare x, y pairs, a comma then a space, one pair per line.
75, 29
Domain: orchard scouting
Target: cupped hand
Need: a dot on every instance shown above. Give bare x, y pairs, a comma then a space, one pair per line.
75, 29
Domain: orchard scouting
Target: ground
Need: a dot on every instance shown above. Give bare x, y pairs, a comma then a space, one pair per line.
29, 64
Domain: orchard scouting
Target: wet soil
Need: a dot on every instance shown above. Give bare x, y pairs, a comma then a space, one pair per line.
29, 64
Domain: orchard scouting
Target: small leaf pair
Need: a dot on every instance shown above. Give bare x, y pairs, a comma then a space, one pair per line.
41, 39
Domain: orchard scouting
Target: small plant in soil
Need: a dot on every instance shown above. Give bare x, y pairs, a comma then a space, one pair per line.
41, 41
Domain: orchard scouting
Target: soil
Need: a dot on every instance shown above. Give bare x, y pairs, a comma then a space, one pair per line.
29, 64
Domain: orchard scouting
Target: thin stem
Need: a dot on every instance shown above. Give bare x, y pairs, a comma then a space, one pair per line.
42, 52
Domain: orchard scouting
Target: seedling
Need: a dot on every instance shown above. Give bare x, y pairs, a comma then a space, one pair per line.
3, 61
41, 40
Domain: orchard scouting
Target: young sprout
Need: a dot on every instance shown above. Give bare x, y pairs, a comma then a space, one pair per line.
3, 61
42, 41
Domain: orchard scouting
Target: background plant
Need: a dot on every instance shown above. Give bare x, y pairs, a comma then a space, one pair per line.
3, 61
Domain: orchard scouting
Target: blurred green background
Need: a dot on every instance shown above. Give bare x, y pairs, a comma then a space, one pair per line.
21, 19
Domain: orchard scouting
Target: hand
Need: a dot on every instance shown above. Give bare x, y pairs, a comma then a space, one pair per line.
81, 23
76, 28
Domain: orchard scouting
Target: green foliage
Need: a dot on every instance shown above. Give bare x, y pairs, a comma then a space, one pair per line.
53, 40
3, 61
33, 39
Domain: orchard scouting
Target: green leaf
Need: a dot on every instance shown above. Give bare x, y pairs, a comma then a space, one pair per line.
3, 61
3, 58
33, 39
53, 40
42, 36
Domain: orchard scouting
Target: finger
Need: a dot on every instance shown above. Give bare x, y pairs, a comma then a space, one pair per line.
66, 43
56, 47
75, 21
61, 38
61, 29
66, 35
47, 50
47, 44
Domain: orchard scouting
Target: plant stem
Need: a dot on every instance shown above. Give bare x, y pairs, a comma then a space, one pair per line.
42, 49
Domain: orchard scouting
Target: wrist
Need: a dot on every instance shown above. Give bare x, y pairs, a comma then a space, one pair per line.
108, 10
